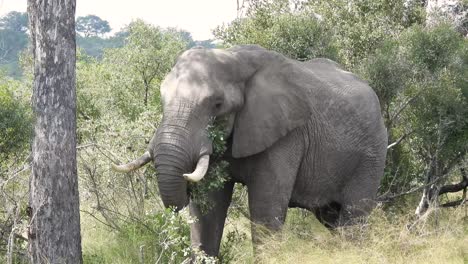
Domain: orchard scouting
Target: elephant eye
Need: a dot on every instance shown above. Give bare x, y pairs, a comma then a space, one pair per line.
217, 103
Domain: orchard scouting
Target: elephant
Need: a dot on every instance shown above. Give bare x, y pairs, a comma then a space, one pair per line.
304, 134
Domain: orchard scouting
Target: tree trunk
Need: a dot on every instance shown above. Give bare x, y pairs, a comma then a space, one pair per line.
54, 231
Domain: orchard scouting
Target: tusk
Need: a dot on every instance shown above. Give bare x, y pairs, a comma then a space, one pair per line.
200, 170
136, 164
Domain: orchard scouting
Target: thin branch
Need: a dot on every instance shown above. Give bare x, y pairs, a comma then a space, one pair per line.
403, 107
97, 219
385, 198
399, 140
454, 203
114, 157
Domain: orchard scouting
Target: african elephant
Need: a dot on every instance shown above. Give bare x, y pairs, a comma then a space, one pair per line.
301, 134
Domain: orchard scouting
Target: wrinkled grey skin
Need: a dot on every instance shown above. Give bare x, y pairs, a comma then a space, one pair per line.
302, 134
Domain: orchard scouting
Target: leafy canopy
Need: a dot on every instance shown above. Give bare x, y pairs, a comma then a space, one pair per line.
92, 25
275, 26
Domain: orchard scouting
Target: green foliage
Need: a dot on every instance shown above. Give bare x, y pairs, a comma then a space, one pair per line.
15, 122
164, 235
420, 78
387, 73
232, 239
361, 26
15, 133
13, 39
217, 173
94, 45
92, 25
271, 24
135, 71
15, 21
159, 237
432, 49
438, 57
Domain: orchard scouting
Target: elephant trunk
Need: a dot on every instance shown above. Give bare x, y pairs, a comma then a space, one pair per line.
178, 156
172, 160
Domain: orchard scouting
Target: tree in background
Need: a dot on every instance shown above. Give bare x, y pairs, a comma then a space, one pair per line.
274, 25
144, 61
119, 95
16, 21
454, 12
15, 134
15, 126
438, 116
361, 26
54, 229
92, 25
94, 46
13, 39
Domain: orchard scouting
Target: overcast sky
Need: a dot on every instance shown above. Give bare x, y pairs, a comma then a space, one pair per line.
198, 17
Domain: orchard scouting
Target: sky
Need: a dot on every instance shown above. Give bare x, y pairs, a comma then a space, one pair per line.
198, 17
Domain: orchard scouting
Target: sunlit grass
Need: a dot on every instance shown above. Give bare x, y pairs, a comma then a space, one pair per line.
100, 243
442, 237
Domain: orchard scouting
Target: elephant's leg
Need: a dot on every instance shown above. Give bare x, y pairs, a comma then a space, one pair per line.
270, 183
358, 197
207, 231
329, 214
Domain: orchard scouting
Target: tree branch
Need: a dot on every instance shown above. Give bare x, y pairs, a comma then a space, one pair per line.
403, 106
454, 187
399, 140
454, 203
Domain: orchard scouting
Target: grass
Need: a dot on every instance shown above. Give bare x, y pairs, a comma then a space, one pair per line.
441, 238
387, 237
100, 243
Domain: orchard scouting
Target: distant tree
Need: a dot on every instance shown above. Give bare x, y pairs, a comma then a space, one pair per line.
11, 43
209, 44
15, 21
274, 25
54, 228
94, 46
362, 26
146, 58
13, 39
92, 25
184, 36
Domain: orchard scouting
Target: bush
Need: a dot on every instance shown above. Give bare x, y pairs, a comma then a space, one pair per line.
15, 123
164, 237
274, 26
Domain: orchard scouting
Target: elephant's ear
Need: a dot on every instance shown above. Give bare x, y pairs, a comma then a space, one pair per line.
276, 102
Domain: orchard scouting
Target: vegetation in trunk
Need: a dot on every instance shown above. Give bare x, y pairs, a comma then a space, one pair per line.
217, 173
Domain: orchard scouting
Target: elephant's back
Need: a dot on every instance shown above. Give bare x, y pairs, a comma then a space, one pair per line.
345, 100
343, 85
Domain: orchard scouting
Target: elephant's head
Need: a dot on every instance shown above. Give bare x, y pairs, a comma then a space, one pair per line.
255, 89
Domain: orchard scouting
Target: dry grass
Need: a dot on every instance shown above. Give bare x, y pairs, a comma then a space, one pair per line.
442, 237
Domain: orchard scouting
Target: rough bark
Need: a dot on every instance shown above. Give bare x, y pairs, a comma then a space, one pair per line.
54, 231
